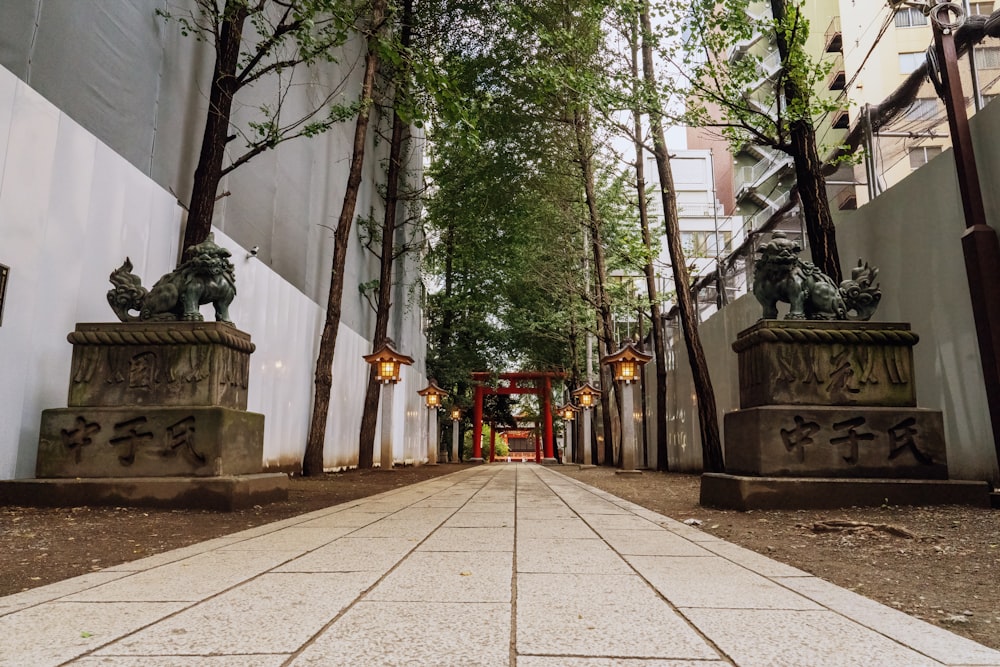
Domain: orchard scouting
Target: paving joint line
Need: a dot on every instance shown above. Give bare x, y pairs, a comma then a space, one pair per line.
339, 615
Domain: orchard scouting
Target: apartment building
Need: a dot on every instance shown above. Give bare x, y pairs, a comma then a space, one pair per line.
869, 48
882, 44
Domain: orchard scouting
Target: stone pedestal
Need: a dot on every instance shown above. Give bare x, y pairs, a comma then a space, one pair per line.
157, 416
828, 418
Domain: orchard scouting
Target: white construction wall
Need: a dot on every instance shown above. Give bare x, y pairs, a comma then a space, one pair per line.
912, 233
71, 210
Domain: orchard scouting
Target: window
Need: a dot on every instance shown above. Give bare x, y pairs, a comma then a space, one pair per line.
980, 8
922, 108
909, 17
988, 57
702, 244
910, 61
921, 155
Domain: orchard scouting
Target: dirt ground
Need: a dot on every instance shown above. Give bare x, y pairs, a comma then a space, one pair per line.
941, 564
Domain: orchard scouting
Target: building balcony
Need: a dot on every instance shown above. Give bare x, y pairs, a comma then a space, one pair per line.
756, 221
838, 78
748, 179
742, 47
834, 41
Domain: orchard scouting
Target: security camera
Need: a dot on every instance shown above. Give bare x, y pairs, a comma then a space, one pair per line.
253, 251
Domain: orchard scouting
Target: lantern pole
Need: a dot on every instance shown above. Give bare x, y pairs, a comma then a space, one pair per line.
586, 396
432, 395
627, 366
385, 456
387, 363
628, 430
432, 436
456, 417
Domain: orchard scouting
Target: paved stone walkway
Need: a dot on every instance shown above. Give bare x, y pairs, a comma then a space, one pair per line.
496, 565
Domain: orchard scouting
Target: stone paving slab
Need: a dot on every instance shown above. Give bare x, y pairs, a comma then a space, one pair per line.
241, 621
353, 554
559, 555
512, 565
687, 581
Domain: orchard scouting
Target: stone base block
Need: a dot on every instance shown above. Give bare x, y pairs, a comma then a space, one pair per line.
215, 493
150, 442
767, 493
160, 363
801, 362
820, 441
550, 462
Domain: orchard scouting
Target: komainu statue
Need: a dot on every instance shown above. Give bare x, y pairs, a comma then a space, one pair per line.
205, 276
779, 275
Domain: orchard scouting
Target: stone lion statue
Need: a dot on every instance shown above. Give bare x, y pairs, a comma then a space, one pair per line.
205, 276
780, 276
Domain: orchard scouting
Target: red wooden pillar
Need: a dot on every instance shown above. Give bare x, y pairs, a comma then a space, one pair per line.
538, 447
547, 412
477, 424
493, 442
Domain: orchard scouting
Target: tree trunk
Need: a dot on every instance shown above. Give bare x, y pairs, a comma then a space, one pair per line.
808, 167
708, 421
659, 349
581, 129
369, 417
208, 173
813, 200
312, 463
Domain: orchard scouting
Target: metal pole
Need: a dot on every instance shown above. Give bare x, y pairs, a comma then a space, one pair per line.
720, 283
979, 242
869, 138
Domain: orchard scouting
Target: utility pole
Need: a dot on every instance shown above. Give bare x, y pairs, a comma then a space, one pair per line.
979, 242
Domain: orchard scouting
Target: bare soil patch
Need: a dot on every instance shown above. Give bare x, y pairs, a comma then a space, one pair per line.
941, 564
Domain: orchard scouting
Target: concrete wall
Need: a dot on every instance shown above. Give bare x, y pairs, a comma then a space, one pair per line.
71, 209
912, 232
135, 82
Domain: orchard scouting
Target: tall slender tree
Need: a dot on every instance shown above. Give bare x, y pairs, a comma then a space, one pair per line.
312, 463
257, 41
656, 320
708, 420
387, 255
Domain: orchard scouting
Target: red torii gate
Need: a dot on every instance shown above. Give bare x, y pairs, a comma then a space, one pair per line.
542, 385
